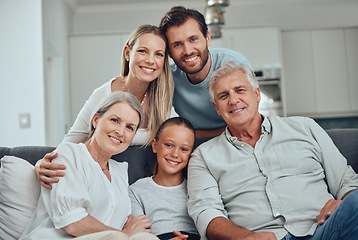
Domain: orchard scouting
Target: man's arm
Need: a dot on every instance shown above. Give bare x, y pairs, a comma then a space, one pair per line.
222, 228
209, 133
340, 178
205, 205
345, 195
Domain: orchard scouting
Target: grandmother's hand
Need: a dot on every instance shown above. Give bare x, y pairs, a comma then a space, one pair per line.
46, 171
137, 225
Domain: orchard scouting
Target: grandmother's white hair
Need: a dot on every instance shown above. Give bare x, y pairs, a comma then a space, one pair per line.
227, 68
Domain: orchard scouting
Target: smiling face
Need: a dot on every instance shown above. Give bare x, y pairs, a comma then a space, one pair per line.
235, 100
173, 149
188, 47
115, 129
146, 58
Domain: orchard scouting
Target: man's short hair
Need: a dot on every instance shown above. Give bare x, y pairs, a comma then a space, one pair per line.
178, 15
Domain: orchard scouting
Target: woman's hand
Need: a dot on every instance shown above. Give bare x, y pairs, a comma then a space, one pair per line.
137, 225
46, 171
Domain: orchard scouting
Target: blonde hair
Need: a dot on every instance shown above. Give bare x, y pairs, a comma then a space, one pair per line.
160, 90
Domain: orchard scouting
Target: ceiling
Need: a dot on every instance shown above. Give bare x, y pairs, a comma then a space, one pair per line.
176, 2
101, 2
285, 14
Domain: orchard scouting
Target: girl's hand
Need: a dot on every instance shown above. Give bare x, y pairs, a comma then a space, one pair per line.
179, 236
136, 225
46, 171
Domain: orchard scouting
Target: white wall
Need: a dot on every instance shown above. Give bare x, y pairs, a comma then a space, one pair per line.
21, 74
95, 59
57, 22
34, 71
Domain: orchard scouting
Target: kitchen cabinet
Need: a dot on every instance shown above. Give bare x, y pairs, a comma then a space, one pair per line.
298, 63
94, 60
330, 71
261, 45
321, 72
352, 65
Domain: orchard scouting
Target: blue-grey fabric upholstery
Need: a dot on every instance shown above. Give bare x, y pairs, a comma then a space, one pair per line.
142, 160
346, 141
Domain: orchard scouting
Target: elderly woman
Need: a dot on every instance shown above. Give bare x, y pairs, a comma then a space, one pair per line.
93, 196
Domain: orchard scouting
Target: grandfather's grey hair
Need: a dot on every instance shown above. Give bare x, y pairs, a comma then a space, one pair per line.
227, 68
113, 98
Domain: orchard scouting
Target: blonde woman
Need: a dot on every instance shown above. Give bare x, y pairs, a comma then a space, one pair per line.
146, 74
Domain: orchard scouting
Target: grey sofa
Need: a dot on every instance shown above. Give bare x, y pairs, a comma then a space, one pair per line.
142, 160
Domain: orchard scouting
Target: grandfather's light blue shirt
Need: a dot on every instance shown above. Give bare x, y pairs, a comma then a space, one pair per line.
280, 185
192, 101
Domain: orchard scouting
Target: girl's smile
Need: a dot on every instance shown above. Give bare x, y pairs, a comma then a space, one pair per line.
173, 149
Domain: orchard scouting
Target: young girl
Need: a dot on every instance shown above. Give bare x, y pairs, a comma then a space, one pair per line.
163, 197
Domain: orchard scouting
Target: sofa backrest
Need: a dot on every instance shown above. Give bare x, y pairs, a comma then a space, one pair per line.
346, 141
141, 160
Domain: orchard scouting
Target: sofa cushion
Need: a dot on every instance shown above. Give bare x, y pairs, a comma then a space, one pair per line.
19, 194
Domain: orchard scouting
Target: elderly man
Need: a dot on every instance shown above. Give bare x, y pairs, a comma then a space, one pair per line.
268, 177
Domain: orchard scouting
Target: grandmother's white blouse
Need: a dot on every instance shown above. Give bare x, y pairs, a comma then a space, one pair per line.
83, 190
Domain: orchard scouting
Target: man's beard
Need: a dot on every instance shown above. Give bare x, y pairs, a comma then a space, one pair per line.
204, 56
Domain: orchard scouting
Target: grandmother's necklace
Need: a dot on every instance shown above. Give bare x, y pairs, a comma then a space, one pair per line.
123, 84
